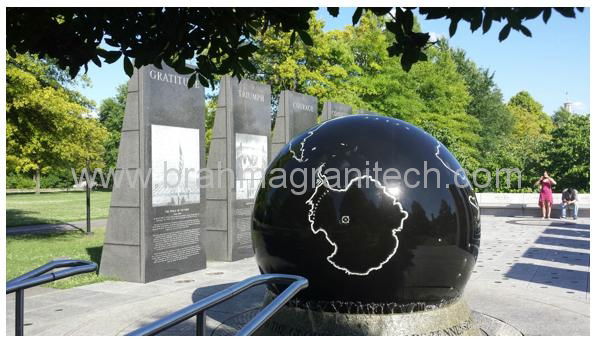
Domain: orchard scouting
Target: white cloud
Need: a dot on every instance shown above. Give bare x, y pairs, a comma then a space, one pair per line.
436, 36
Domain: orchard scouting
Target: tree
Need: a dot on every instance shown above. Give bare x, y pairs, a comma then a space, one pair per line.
530, 119
353, 66
111, 116
530, 133
219, 40
322, 69
47, 126
210, 112
486, 104
568, 151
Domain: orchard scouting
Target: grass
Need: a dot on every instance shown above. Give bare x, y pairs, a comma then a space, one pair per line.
26, 252
54, 208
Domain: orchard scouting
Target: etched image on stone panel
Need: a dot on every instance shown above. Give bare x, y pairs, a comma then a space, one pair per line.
175, 159
251, 162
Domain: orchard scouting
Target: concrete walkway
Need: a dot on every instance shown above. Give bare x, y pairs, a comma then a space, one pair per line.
51, 228
532, 274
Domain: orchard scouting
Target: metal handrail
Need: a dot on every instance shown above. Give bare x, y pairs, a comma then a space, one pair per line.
197, 309
37, 277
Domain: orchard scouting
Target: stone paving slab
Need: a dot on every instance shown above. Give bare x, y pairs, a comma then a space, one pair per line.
540, 287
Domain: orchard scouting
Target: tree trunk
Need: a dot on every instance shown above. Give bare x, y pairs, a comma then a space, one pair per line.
37, 181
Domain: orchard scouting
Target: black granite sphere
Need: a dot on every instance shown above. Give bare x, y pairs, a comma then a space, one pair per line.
371, 210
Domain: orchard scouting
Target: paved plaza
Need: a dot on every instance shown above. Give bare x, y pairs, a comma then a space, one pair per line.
532, 274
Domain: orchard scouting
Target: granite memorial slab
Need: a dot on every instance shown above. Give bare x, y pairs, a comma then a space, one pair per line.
154, 229
363, 111
238, 156
297, 112
332, 110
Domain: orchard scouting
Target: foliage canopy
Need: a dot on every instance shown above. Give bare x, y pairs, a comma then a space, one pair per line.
219, 40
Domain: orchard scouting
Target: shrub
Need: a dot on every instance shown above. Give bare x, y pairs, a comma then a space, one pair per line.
19, 181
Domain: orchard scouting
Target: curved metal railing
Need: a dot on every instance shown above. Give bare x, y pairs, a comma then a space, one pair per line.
40, 276
198, 309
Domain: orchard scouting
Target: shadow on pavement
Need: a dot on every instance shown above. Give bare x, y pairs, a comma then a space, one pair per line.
555, 276
572, 243
561, 256
552, 276
567, 233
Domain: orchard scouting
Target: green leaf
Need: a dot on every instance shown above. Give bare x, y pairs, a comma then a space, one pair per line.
475, 22
292, 39
434, 12
203, 79
334, 11
566, 11
396, 29
452, 28
128, 68
525, 31
547, 12
406, 63
487, 21
96, 60
394, 50
408, 20
111, 42
183, 69
73, 71
380, 11
356, 15
504, 32
109, 56
306, 38
191, 80
249, 66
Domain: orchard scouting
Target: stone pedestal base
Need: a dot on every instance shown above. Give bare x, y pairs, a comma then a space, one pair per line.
452, 319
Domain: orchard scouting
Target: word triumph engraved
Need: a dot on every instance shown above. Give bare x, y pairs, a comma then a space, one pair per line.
154, 229
297, 112
240, 143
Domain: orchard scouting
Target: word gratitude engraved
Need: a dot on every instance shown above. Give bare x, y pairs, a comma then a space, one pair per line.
170, 78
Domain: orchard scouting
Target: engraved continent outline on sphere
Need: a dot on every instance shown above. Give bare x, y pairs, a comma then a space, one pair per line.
323, 182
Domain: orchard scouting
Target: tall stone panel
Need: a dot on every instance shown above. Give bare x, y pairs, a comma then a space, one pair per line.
297, 112
363, 111
332, 110
238, 156
154, 229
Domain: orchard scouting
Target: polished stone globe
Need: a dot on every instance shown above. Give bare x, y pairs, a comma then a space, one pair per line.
372, 210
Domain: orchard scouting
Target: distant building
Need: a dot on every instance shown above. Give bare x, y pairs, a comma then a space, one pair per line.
568, 106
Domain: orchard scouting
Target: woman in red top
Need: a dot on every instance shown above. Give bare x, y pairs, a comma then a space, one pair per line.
545, 194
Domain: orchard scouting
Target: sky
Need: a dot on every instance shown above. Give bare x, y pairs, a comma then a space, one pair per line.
553, 65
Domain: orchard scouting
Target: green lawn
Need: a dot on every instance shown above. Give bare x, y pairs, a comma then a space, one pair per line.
52, 208
26, 252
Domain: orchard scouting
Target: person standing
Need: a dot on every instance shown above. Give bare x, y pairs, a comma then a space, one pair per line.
569, 199
546, 198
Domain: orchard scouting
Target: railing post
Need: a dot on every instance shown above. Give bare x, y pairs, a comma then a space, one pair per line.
200, 324
199, 308
19, 312
39, 276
